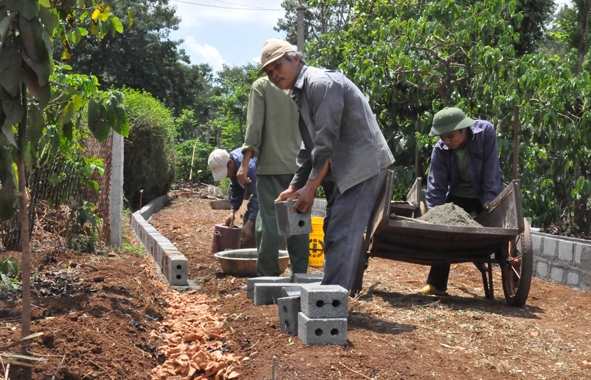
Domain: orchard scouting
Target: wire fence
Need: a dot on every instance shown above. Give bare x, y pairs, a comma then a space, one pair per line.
55, 190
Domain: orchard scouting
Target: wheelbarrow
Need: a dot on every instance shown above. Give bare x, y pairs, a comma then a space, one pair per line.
504, 239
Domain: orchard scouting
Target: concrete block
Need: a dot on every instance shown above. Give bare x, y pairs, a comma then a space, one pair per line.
267, 293
584, 252
289, 307
291, 291
307, 278
262, 280
565, 250
292, 223
557, 274
175, 267
319, 207
542, 269
325, 301
549, 249
573, 278
536, 244
578, 251
322, 330
161, 253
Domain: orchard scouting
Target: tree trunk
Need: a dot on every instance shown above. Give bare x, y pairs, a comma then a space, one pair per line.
25, 240
583, 8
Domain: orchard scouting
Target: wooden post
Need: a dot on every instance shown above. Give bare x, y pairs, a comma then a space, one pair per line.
192, 160
300, 11
417, 149
516, 129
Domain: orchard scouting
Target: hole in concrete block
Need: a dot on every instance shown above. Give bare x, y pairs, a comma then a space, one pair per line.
179, 267
301, 223
334, 332
319, 303
284, 309
336, 303
318, 332
286, 325
178, 276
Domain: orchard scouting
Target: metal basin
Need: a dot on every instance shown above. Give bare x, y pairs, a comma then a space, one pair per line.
220, 204
243, 262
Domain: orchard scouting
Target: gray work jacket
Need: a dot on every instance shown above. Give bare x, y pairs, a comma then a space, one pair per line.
337, 124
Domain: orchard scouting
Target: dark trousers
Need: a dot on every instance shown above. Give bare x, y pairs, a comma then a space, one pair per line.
346, 218
439, 274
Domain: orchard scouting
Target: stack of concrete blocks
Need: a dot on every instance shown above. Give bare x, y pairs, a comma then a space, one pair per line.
316, 313
173, 264
290, 305
323, 315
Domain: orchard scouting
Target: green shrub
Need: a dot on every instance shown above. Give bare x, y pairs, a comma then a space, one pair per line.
184, 152
149, 158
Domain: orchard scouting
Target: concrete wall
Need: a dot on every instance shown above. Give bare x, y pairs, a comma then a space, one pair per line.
173, 264
563, 260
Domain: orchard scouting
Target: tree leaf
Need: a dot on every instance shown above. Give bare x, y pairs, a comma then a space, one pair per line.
28, 8
32, 32
4, 28
10, 70
35, 125
117, 25
42, 69
8, 200
49, 20
97, 122
42, 93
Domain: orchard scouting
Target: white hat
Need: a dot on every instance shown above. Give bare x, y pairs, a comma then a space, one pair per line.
218, 163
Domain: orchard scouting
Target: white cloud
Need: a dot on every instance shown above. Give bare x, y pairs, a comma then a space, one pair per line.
205, 53
226, 11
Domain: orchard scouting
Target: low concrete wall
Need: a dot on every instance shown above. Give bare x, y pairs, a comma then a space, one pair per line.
564, 260
173, 264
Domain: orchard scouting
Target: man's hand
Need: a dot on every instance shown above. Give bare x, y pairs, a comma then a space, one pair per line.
305, 199
241, 176
286, 194
246, 233
230, 219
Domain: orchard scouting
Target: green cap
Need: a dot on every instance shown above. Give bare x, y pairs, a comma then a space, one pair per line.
450, 119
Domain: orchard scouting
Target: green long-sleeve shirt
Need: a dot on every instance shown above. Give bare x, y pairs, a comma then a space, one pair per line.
272, 131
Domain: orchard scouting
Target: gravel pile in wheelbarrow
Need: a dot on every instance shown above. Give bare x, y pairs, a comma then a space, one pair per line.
449, 215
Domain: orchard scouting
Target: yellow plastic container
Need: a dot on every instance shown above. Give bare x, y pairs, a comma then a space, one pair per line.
316, 243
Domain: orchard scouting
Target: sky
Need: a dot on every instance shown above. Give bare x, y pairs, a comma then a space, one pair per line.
226, 32
229, 32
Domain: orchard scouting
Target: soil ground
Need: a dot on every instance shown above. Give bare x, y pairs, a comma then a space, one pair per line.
97, 312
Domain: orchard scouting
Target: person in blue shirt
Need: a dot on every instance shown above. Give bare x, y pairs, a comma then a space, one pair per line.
465, 170
223, 165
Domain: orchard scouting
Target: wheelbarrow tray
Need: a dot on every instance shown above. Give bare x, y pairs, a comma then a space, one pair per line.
433, 244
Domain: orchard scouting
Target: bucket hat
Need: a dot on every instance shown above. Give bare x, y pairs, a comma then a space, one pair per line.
450, 119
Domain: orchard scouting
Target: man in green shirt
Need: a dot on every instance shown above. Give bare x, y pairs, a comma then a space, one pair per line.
273, 137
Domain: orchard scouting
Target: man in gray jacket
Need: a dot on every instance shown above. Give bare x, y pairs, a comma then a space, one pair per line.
343, 147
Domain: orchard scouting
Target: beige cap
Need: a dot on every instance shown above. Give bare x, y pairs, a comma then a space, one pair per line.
273, 49
218, 163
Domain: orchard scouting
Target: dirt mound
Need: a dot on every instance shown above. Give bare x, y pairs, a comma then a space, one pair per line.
449, 215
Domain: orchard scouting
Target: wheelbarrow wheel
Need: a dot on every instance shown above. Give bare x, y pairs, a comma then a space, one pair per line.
517, 270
